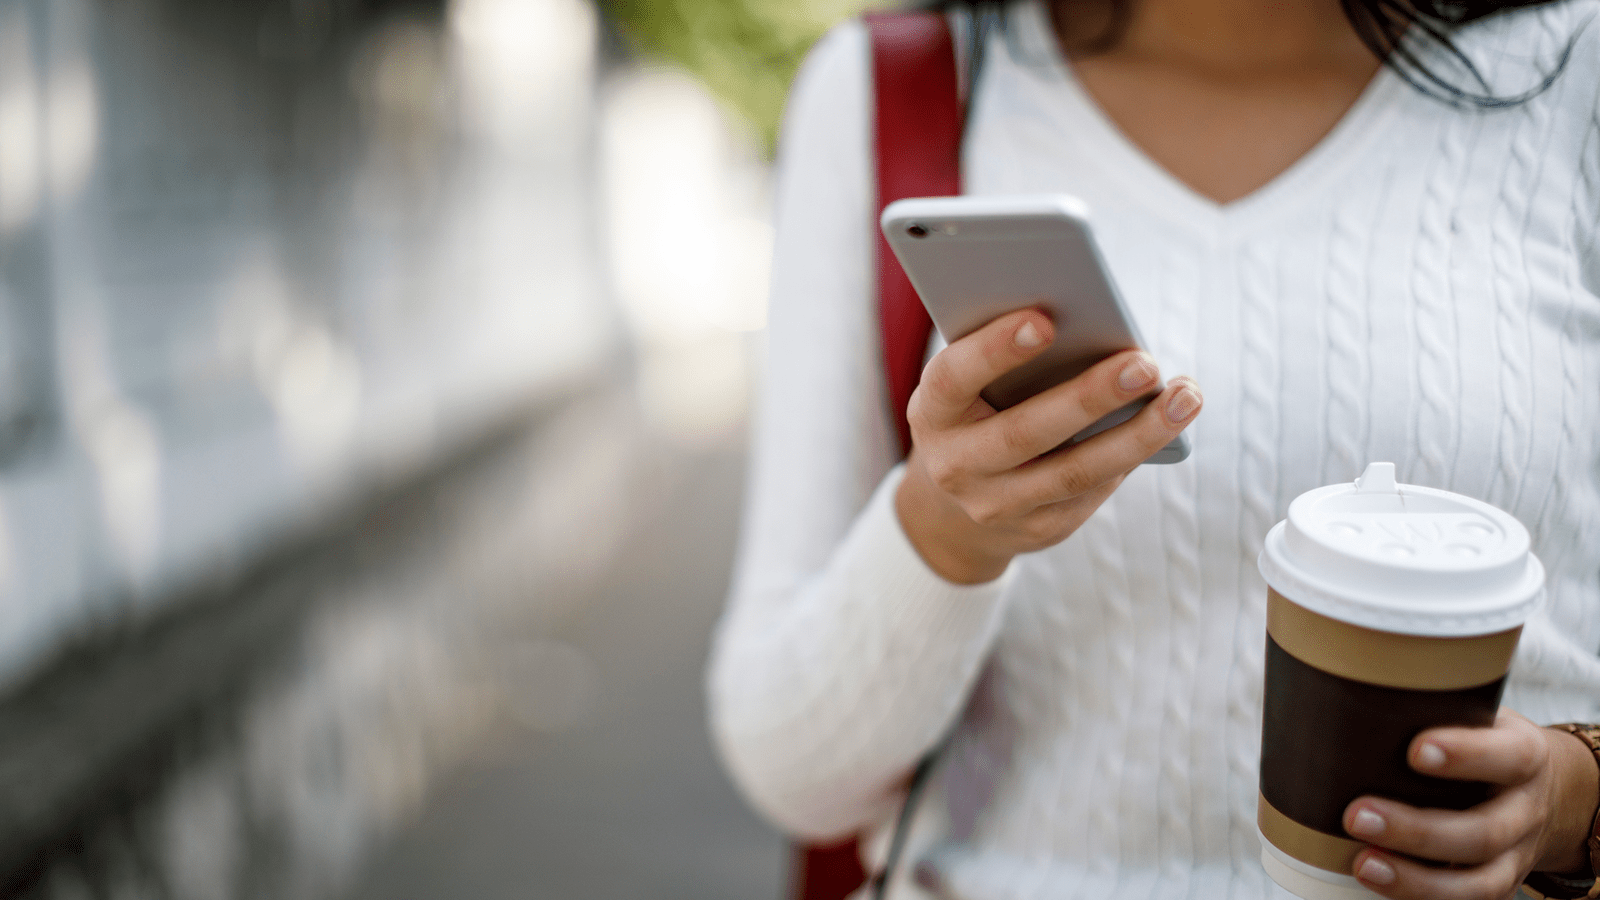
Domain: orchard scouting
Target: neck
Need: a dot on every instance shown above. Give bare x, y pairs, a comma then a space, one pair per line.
1223, 34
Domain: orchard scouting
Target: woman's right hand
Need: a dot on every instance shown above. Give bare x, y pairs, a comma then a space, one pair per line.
978, 488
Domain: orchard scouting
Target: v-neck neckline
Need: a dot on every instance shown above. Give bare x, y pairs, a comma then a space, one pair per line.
1170, 195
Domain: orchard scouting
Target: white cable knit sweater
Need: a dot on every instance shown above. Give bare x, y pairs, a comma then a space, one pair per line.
1422, 288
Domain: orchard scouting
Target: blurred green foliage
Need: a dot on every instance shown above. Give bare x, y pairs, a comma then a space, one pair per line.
746, 51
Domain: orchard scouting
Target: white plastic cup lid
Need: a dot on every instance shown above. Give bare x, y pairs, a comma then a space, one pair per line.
1404, 558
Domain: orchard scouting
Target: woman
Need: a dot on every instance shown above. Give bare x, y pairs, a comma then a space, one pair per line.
1354, 268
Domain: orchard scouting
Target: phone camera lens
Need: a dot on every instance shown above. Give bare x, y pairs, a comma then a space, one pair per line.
917, 231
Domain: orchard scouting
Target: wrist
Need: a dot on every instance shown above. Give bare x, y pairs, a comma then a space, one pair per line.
1575, 799
946, 538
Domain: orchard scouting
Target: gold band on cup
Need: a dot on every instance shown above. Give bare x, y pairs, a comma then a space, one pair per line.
1405, 661
1310, 846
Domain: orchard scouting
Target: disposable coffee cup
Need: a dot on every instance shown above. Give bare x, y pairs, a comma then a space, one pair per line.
1391, 609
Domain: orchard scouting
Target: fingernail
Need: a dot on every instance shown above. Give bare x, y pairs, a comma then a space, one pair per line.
1183, 405
1028, 336
1367, 824
1376, 871
1139, 373
1430, 756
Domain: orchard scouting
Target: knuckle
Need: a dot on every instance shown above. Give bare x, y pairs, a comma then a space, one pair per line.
939, 383
944, 473
1523, 818
1485, 842
985, 512
1530, 754
1042, 530
1090, 404
919, 397
1152, 439
1495, 881
1072, 479
1015, 436
917, 416
928, 389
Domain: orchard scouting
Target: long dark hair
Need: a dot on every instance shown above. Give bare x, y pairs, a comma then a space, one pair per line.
1394, 30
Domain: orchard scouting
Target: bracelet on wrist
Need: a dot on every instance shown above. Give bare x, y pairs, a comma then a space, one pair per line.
1568, 886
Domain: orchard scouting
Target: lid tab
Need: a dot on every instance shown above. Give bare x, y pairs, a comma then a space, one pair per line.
1378, 478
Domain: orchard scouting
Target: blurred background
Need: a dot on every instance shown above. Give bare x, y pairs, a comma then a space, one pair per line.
373, 385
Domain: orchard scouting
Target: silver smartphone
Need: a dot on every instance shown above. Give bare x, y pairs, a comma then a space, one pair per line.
973, 259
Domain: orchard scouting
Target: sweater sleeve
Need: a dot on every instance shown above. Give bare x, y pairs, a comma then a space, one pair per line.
841, 657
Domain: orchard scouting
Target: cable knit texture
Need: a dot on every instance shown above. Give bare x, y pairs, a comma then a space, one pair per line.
1421, 287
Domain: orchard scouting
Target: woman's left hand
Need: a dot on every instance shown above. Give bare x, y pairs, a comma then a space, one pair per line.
1546, 790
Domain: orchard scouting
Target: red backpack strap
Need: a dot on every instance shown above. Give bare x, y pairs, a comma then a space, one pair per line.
917, 140
826, 871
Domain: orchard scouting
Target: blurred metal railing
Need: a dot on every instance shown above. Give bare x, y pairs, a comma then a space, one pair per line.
256, 257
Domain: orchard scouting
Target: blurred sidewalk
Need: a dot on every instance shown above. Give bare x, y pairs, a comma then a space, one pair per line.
600, 781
